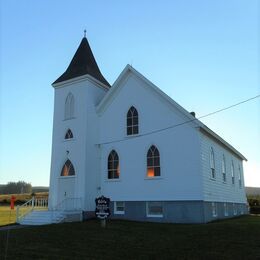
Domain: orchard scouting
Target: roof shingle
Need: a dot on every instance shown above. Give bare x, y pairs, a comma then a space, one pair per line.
82, 63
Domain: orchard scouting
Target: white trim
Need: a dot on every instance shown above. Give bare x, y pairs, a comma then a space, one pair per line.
67, 177
78, 79
153, 178
115, 208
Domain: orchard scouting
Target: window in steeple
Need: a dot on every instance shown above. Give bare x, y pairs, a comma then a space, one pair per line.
68, 169
69, 134
69, 106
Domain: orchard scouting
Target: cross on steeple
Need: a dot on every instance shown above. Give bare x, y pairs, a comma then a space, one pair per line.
85, 33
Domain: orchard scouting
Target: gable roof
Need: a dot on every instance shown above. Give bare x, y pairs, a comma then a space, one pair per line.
82, 63
105, 102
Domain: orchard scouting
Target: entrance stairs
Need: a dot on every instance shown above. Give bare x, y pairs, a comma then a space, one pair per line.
43, 217
35, 212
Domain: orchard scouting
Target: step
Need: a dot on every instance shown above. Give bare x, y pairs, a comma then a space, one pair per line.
40, 217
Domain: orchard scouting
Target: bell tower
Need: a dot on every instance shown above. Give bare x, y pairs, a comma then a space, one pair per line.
75, 157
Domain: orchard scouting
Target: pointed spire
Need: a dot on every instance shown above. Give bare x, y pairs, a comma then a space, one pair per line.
83, 63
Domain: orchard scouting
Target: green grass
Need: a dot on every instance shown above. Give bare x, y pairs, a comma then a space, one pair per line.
7, 216
230, 239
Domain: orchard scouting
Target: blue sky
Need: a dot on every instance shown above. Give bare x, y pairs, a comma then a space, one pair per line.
203, 54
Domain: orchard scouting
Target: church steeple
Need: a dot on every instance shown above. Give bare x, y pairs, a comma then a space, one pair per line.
83, 63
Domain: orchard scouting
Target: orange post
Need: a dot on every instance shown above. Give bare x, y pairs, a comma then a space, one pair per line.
12, 201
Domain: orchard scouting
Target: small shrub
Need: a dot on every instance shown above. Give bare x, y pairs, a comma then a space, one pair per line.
255, 210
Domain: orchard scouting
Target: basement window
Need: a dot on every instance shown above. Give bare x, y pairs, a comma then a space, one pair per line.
154, 209
214, 209
225, 209
119, 207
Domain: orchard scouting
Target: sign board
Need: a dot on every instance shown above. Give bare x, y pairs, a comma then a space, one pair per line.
102, 207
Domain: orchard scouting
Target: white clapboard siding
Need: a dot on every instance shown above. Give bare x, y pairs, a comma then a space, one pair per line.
216, 189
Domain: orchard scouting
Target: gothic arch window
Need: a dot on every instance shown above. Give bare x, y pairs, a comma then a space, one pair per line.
69, 134
212, 163
224, 175
232, 173
132, 121
153, 162
67, 169
239, 177
69, 106
113, 169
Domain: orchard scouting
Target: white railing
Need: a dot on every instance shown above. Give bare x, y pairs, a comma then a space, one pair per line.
28, 206
69, 204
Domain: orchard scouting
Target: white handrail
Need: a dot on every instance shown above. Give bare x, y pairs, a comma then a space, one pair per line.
28, 206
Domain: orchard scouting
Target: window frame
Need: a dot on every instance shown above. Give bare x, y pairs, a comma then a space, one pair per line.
212, 164
69, 108
234, 209
70, 133
114, 170
239, 177
232, 173
62, 170
119, 212
151, 215
153, 166
224, 169
132, 125
225, 205
214, 209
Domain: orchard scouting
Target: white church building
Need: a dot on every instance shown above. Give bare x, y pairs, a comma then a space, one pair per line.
135, 145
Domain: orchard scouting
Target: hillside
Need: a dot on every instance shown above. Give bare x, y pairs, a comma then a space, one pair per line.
252, 191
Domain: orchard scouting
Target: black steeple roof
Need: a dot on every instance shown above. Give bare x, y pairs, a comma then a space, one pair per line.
83, 63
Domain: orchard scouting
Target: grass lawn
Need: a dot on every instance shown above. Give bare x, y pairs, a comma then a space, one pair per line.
230, 239
7, 216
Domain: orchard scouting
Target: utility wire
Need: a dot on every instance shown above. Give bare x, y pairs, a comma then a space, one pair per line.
185, 122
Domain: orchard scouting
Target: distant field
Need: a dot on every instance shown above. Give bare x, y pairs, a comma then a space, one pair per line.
22, 197
237, 238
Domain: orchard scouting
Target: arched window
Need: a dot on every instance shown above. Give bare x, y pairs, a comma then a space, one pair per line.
232, 173
153, 162
68, 169
239, 177
69, 134
224, 176
113, 165
212, 163
69, 106
132, 121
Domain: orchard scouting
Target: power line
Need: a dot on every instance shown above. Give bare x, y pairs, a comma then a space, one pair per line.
185, 122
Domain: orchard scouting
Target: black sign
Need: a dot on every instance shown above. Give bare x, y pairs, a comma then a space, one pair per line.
102, 207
